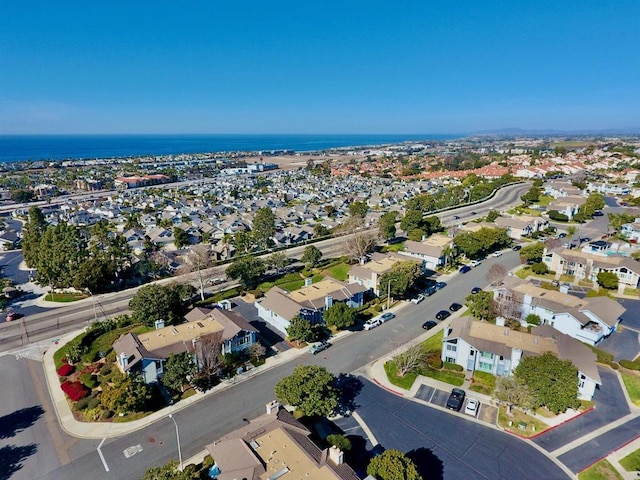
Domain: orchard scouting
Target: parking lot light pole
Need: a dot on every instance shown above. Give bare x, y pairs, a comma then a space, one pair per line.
178, 439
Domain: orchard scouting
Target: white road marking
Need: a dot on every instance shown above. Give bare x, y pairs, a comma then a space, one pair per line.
104, 462
131, 451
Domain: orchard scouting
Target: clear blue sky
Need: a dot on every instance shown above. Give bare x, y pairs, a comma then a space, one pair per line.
324, 66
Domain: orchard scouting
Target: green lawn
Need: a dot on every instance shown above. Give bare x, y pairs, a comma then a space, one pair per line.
64, 297
405, 382
340, 271
631, 462
434, 343
448, 376
296, 284
544, 200
632, 384
394, 247
602, 470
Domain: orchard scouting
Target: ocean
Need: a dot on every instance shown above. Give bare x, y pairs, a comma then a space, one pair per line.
22, 148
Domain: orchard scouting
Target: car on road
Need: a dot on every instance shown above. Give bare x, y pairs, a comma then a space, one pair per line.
475, 290
456, 217
562, 235
385, 317
319, 347
372, 323
440, 285
456, 399
465, 269
473, 213
497, 253
585, 239
429, 324
472, 406
417, 299
598, 213
216, 281
515, 248
454, 307
442, 314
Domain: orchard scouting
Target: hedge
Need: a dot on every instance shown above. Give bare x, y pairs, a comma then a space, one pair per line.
631, 365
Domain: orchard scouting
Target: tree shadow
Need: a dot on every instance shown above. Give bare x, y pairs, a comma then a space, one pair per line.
17, 421
349, 387
428, 464
11, 458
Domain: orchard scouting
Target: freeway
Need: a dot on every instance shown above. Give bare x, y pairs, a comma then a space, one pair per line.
42, 325
226, 410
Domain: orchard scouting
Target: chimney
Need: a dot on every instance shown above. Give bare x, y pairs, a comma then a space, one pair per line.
328, 301
336, 455
308, 281
272, 407
159, 324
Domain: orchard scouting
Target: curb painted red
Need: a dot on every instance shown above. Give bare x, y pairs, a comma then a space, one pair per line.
550, 428
388, 389
611, 453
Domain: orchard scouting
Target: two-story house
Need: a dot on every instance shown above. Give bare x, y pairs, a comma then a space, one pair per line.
522, 225
278, 307
146, 352
498, 350
587, 264
433, 251
368, 273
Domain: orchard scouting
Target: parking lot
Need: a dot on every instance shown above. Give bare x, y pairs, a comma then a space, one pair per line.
486, 413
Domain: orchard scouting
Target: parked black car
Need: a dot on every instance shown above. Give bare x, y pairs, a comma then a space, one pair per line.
454, 307
456, 399
442, 314
429, 324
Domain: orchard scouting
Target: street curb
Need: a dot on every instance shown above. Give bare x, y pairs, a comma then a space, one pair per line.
389, 389
551, 427
610, 453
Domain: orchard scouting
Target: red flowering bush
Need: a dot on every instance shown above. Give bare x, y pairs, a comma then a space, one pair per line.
65, 370
75, 390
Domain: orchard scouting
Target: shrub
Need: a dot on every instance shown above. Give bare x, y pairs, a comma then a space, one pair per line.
631, 365
107, 414
539, 268
82, 403
615, 366
65, 370
75, 390
207, 462
88, 380
340, 441
453, 366
434, 362
257, 293
532, 319
556, 215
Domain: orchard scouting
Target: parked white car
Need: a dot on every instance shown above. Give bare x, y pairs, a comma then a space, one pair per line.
418, 299
497, 254
472, 407
372, 323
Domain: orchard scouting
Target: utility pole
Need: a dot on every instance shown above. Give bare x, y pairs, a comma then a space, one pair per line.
389, 294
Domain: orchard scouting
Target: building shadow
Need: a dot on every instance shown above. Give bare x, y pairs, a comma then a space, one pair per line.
11, 458
17, 421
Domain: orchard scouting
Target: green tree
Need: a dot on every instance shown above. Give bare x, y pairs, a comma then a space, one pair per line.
412, 219
532, 319
247, 270
300, 330
512, 392
416, 235
423, 203
481, 305
432, 224
32, 235
320, 230
277, 260
264, 227
393, 465
155, 302
387, 225
61, 252
401, 277
125, 393
468, 244
340, 441
311, 255
553, 382
22, 195
93, 274
608, 280
540, 268
339, 315
492, 215
532, 196
310, 389
533, 251
178, 370
181, 239
358, 209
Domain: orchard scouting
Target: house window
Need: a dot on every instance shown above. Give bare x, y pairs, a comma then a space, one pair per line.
581, 384
449, 359
486, 355
451, 348
485, 366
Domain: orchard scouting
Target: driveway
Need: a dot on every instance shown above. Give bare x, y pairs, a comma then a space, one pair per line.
446, 445
610, 403
631, 318
623, 344
269, 336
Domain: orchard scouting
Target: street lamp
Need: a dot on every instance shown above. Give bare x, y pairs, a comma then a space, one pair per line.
178, 439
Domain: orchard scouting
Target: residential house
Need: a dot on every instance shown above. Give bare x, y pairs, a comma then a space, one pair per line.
433, 251
615, 189
588, 320
587, 264
560, 188
276, 445
521, 225
498, 350
279, 306
8, 240
368, 273
567, 205
631, 231
146, 352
